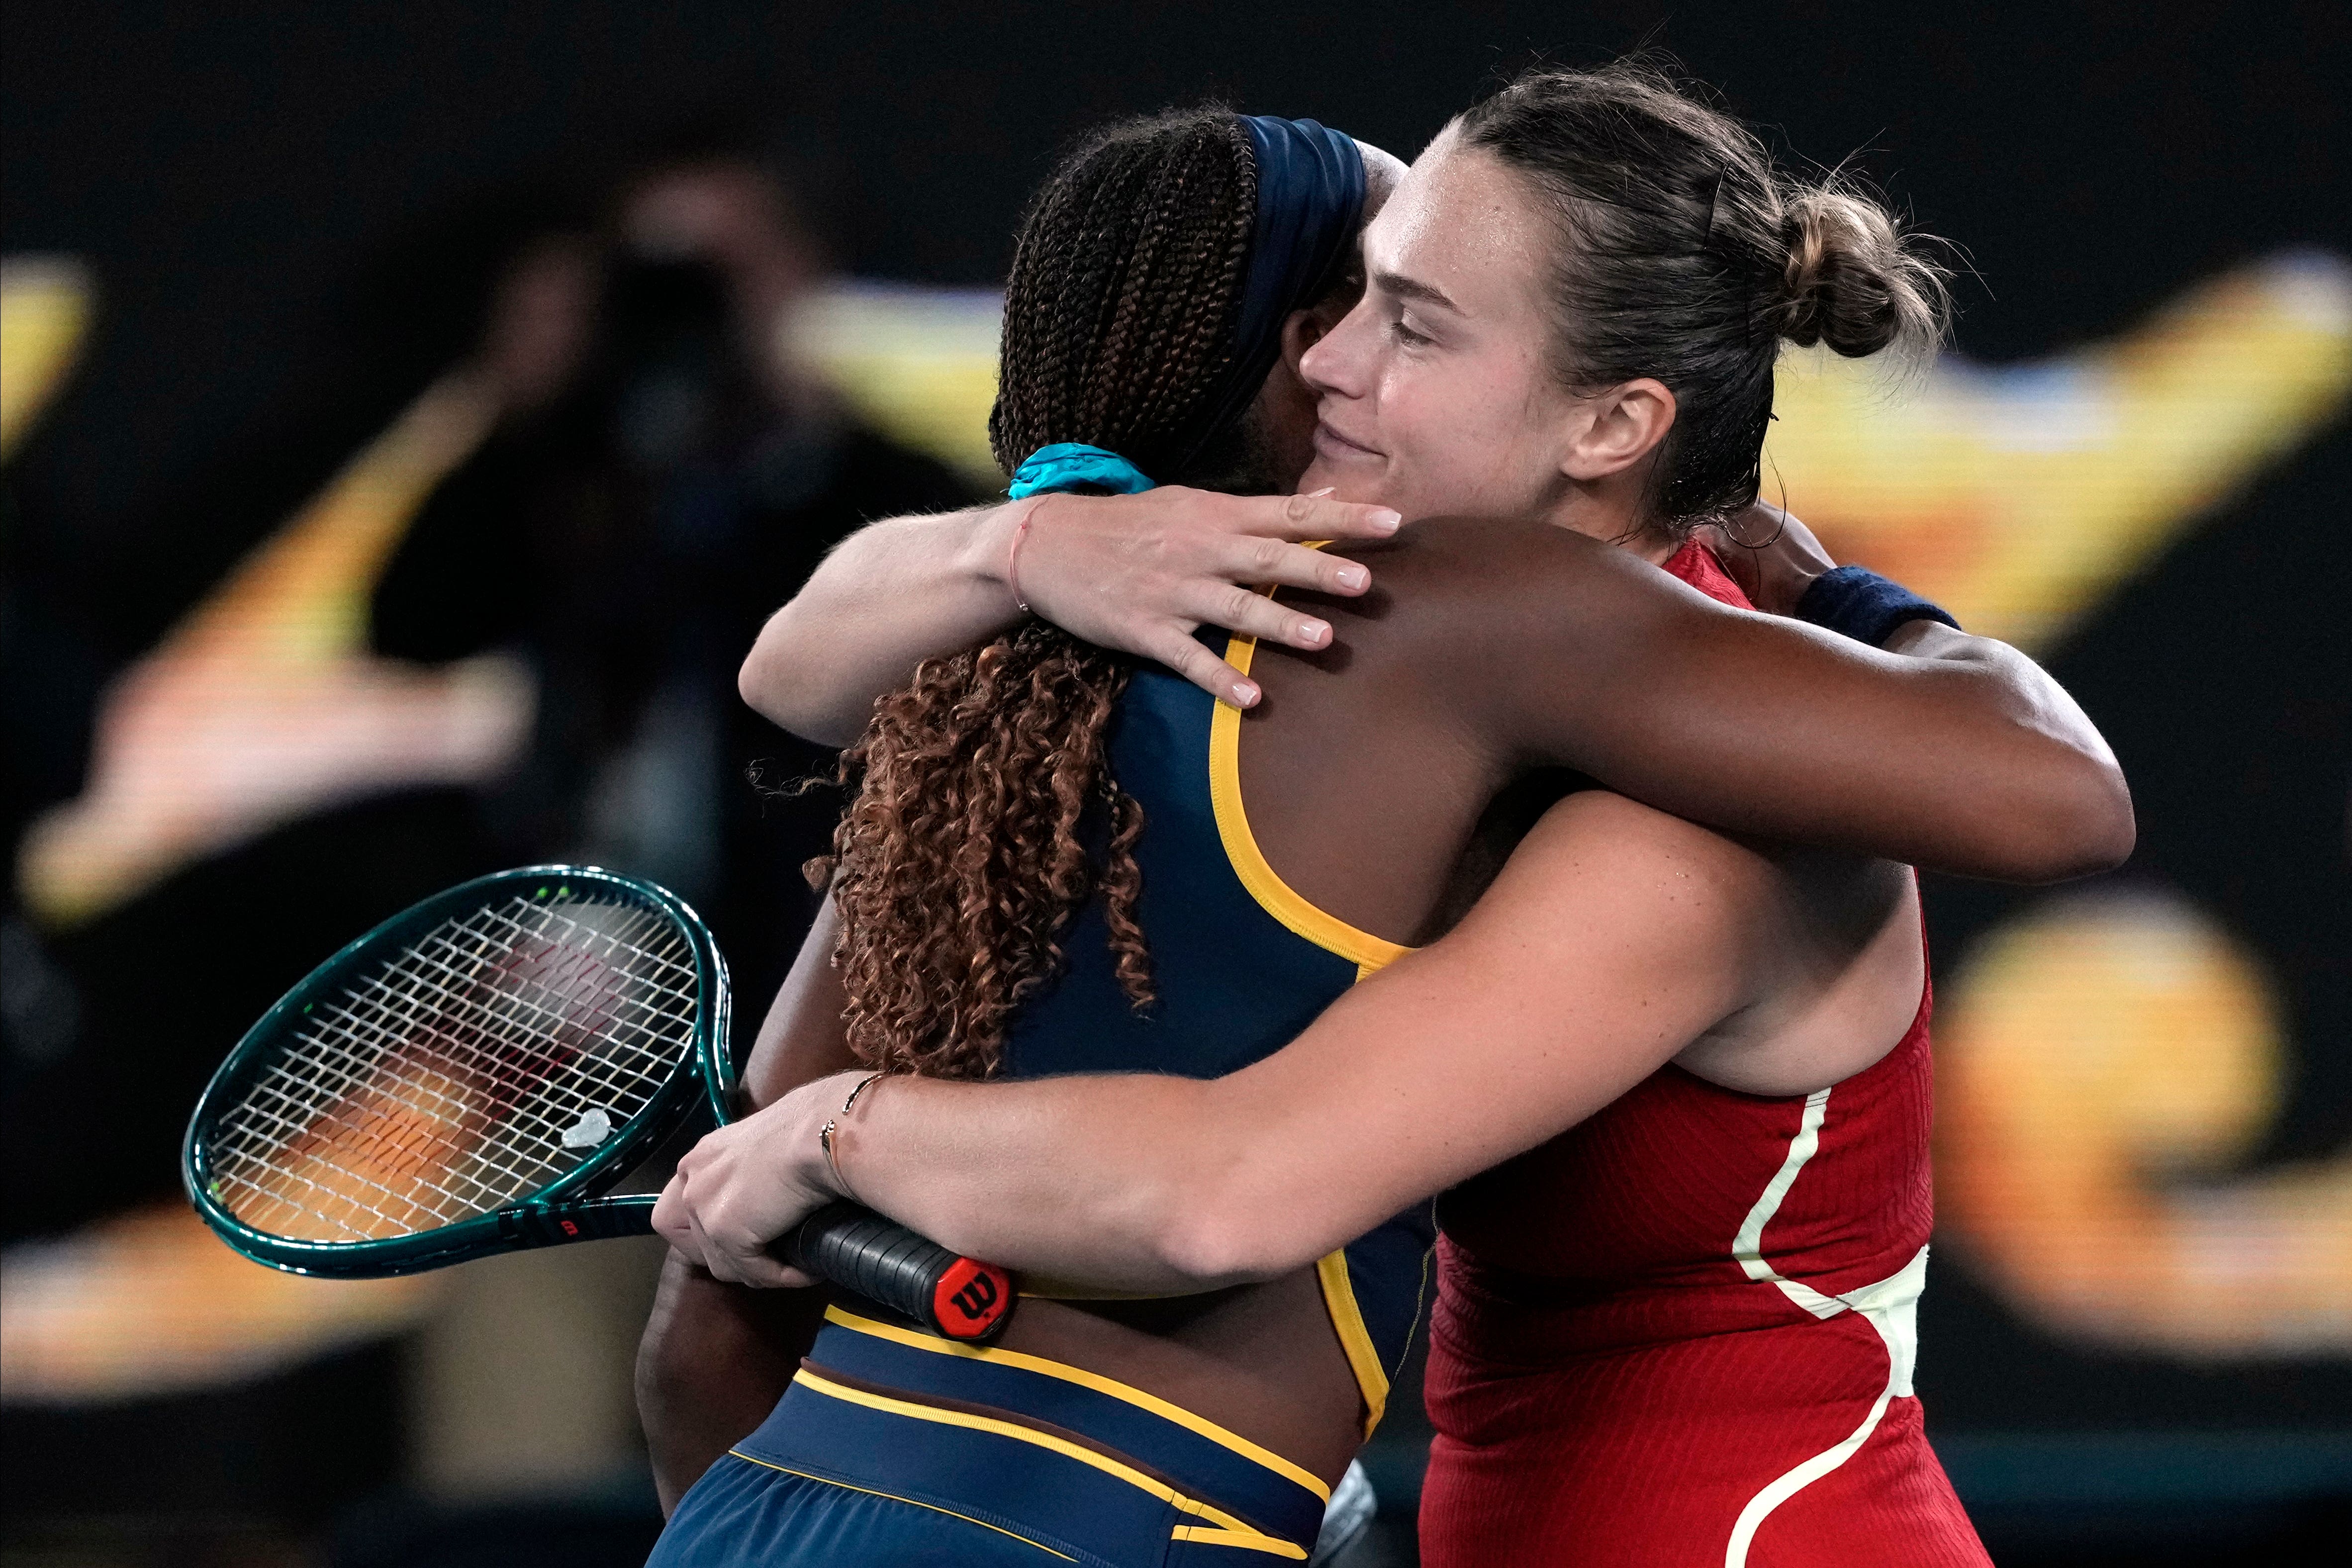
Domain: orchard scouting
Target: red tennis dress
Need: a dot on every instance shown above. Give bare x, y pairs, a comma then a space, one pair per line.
1701, 1352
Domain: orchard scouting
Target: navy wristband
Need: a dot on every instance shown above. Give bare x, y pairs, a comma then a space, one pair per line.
1857, 603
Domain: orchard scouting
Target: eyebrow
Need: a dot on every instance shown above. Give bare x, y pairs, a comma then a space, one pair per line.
1405, 287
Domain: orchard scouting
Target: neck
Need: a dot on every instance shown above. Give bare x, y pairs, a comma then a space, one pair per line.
1612, 512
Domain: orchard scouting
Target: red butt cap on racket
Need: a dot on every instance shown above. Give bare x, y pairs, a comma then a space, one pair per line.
886, 1263
971, 1300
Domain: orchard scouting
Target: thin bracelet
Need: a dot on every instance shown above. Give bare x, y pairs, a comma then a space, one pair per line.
1013, 562
863, 1085
824, 1139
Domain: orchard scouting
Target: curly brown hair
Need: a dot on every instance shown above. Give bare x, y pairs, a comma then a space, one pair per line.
964, 855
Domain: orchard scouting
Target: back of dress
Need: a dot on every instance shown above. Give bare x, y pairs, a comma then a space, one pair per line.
1241, 966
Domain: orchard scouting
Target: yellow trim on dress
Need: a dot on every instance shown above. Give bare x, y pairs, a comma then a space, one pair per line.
1328, 932
1274, 895
917, 1340
894, 1496
1347, 1322
1230, 1531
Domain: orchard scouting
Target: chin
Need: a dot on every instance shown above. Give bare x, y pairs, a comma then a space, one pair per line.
1345, 481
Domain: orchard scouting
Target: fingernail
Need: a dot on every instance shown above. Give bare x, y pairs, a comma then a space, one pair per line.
1244, 694
1388, 521
1319, 495
1353, 577
1315, 632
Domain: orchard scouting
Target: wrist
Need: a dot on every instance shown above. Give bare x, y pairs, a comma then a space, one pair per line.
1862, 605
1021, 527
1787, 588
800, 1136
836, 1135
1924, 638
988, 543
1001, 544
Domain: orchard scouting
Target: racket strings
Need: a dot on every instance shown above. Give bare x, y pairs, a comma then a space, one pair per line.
491, 1039
492, 1043
426, 1152
419, 1120
476, 1066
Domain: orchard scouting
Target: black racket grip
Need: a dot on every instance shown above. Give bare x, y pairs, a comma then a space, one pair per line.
882, 1260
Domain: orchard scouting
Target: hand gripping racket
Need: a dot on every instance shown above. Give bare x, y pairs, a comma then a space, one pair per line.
474, 1075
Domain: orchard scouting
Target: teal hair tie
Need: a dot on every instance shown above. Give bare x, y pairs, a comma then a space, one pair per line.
1073, 466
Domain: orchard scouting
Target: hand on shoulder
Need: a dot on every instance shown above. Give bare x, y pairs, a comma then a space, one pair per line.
1141, 573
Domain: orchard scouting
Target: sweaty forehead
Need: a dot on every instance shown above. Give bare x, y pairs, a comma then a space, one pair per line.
1382, 170
1460, 223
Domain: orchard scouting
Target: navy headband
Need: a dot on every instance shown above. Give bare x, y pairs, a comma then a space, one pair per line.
1310, 201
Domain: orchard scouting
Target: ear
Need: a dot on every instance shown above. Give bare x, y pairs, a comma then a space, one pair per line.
1618, 428
1301, 330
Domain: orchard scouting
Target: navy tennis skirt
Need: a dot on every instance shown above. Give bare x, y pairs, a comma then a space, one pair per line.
893, 1447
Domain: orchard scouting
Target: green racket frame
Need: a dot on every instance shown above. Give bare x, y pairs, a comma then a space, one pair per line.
563, 1212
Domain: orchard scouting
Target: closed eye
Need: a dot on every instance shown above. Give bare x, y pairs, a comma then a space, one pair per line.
1407, 336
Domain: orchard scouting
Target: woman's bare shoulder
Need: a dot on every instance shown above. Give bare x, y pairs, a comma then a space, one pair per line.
1476, 545
1515, 626
1657, 890
1484, 581
1593, 824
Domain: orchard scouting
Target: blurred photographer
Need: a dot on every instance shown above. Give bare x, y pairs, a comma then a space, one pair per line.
666, 476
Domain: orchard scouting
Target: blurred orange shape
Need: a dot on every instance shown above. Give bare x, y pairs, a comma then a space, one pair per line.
150, 1304
2104, 1066
264, 705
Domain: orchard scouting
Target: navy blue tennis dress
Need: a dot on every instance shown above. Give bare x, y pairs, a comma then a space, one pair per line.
894, 1446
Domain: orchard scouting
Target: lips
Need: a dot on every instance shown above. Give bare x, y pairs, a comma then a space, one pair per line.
1331, 443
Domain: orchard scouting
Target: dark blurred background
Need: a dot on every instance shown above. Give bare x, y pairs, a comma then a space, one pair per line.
447, 392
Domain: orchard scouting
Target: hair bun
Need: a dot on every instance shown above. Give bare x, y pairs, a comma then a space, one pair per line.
1854, 281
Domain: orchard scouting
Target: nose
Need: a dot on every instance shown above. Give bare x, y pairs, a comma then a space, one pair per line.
1336, 363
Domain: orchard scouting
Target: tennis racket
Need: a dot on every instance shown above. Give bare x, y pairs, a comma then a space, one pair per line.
475, 1075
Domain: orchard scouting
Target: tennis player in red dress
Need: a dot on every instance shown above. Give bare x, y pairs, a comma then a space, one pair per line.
1683, 1332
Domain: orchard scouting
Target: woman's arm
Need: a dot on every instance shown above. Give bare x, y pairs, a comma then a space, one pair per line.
1614, 937
1943, 751
1776, 576
715, 1357
1138, 573
1950, 752
1954, 753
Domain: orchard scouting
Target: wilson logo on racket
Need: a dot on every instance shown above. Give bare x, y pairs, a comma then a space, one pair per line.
971, 1296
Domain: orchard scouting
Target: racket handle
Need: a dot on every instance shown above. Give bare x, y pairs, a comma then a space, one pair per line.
881, 1259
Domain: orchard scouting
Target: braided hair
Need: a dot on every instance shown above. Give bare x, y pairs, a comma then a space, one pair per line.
964, 854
